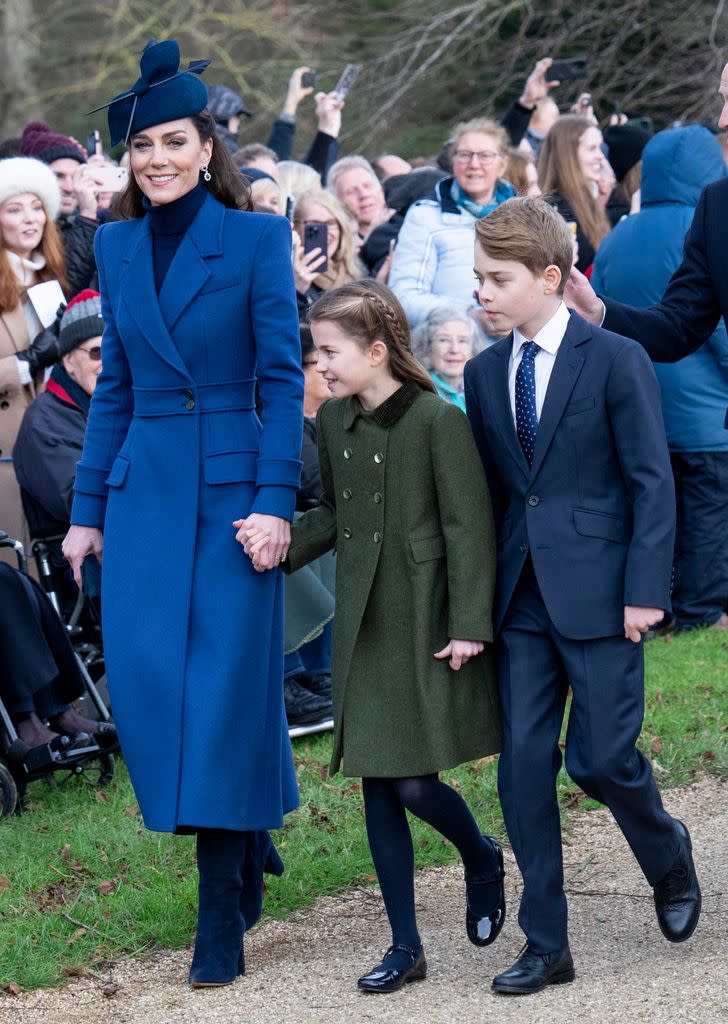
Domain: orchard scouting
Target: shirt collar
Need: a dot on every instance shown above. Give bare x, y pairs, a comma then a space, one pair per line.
386, 414
550, 336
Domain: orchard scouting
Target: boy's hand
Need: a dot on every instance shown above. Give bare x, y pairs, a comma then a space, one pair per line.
460, 651
637, 620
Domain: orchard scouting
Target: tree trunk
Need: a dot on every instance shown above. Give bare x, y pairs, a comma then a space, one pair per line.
17, 78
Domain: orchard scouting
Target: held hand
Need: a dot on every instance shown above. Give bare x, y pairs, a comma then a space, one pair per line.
278, 532
581, 297
637, 620
536, 87
296, 92
328, 112
86, 188
79, 542
460, 651
305, 264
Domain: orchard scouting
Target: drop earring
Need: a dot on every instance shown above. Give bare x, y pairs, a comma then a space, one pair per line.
206, 173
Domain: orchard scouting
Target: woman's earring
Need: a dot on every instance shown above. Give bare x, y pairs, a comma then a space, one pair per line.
206, 173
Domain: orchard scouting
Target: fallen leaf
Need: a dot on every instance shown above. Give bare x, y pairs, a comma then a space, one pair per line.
110, 990
107, 887
102, 796
78, 934
131, 811
656, 745
4, 882
12, 988
75, 971
709, 755
66, 852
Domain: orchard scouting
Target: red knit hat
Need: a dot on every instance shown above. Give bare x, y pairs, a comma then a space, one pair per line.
39, 141
81, 320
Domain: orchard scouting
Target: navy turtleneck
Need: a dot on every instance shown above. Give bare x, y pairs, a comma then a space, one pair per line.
168, 223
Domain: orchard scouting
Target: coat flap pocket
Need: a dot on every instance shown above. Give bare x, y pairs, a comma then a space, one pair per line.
427, 548
118, 471
579, 405
218, 283
601, 524
230, 467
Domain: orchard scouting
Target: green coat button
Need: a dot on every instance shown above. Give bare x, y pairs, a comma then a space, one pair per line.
377, 537
347, 533
347, 453
378, 498
379, 457
347, 493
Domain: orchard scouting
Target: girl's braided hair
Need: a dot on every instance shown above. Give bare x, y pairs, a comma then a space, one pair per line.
368, 311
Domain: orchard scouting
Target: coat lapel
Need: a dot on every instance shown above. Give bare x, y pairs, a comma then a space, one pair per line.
501, 401
139, 294
564, 375
189, 271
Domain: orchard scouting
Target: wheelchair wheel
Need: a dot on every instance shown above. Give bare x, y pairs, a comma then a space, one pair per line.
96, 772
8, 793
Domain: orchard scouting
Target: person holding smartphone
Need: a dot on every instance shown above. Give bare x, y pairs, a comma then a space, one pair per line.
324, 253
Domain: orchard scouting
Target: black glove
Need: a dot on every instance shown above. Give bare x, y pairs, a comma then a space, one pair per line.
46, 348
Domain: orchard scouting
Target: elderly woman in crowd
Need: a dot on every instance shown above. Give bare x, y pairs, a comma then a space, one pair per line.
433, 261
443, 343
320, 207
30, 252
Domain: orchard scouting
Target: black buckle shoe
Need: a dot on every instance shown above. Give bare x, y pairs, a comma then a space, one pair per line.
532, 972
390, 979
302, 706
484, 929
677, 895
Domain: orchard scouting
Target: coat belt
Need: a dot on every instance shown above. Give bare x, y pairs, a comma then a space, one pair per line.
195, 398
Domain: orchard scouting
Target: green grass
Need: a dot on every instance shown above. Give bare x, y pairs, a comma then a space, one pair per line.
82, 882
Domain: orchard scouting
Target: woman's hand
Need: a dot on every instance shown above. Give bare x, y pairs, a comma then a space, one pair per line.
271, 536
580, 296
305, 264
328, 113
79, 542
460, 651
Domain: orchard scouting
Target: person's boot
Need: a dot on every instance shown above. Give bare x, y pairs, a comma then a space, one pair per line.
318, 684
302, 706
218, 956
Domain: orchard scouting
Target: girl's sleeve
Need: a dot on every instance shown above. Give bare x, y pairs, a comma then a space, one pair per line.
467, 525
315, 532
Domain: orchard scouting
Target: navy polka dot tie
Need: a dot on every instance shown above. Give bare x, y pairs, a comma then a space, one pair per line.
526, 415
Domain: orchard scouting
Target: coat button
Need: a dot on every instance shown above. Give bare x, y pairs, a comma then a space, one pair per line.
190, 396
347, 453
533, 500
379, 458
347, 493
377, 537
347, 533
378, 498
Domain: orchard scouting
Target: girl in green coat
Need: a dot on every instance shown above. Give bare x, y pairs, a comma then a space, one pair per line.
406, 505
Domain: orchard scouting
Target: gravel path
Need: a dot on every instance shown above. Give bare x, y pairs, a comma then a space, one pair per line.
304, 970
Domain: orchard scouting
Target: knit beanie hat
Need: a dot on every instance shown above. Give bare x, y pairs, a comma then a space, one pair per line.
81, 320
19, 174
625, 143
39, 141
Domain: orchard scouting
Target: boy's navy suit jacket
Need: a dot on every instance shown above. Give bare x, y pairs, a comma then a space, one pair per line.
596, 510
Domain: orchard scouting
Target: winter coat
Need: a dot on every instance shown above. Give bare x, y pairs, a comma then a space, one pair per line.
174, 452
433, 260
77, 234
637, 259
586, 249
406, 505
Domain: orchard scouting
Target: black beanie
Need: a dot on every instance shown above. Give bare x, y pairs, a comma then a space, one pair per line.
625, 143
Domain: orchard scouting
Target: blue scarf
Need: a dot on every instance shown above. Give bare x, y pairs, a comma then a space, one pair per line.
503, 190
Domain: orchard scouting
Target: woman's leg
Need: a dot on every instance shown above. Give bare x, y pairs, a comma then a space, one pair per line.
390, 843
220, 925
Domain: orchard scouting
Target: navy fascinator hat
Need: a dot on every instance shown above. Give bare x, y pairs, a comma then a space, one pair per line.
163, 92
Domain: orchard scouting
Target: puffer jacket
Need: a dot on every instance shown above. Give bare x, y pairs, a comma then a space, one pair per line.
433, 260
636, 260
77, 234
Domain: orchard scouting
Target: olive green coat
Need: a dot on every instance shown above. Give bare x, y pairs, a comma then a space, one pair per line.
406, 505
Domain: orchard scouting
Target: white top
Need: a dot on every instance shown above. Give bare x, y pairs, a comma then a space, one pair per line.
548, 340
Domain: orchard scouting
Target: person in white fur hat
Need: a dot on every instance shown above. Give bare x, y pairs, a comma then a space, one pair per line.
30, 252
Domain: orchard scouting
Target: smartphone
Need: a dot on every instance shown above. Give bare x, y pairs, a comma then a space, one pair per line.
348, 76
94, 145
568, 70
289, 208
110, 178
308, 79
316, 236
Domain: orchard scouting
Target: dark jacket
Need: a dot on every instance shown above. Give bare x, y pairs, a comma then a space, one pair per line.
322, 153
596, 509
586, 249
677, 165
77, 234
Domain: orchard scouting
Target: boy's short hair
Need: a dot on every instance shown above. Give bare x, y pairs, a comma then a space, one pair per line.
528, 231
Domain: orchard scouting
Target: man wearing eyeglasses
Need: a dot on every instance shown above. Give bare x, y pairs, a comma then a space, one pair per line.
50, 439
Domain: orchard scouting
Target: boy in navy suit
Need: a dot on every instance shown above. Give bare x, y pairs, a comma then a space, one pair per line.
568, 422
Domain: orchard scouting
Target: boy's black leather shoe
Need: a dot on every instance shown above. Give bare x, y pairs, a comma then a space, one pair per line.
384, 978
483, 928
677, 895
532, 972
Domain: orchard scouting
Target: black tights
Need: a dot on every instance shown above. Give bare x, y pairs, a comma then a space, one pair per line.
390, 841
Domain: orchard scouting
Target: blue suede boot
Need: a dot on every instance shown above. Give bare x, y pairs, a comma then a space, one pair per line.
261, 857
218, 954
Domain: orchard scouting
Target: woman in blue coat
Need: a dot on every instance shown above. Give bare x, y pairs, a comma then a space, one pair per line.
199, 306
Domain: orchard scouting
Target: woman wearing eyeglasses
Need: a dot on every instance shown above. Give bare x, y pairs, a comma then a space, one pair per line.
342, 266
433, 261
30, 252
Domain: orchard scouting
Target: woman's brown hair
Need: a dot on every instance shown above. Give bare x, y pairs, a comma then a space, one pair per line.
559, 173
343, 263
51, 248
368, 311
227, 183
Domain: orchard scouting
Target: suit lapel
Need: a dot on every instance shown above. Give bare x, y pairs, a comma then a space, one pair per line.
501, 403
189, 271
564, 375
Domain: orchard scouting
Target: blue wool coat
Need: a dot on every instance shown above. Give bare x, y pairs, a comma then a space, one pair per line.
174, 452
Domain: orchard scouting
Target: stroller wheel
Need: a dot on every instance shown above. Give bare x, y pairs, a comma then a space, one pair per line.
8, 793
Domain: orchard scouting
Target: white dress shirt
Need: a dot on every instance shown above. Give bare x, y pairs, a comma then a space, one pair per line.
548, 340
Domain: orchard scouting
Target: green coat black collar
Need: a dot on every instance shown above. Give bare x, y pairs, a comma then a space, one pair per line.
386, 414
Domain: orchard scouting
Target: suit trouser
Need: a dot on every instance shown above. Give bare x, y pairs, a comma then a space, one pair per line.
536, 667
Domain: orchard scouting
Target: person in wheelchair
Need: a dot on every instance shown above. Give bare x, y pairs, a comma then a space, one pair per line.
50, 439
39, 674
